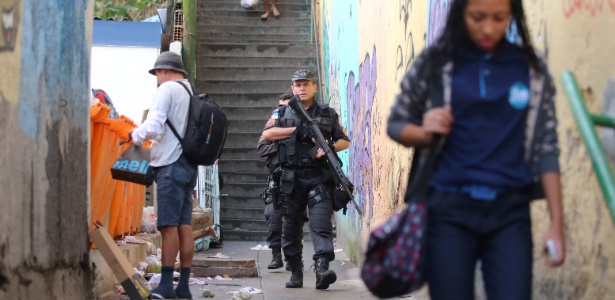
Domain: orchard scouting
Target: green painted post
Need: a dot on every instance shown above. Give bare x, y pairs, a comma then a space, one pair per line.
189, 39
593, 144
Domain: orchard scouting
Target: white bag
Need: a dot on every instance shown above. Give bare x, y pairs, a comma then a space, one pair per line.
249, 4
148, 220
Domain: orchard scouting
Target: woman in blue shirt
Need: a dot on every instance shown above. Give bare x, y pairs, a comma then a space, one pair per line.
491, 103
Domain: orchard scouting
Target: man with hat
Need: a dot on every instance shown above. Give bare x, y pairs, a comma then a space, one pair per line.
305, 180
175, 176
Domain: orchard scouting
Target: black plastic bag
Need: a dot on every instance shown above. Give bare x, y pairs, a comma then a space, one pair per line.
133, 166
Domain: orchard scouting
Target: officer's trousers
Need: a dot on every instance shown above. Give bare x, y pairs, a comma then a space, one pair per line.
274, 225
319, 221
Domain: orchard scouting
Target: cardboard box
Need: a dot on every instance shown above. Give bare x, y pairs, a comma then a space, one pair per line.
202, 219
132, 283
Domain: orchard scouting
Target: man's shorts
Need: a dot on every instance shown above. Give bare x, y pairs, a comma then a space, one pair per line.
175, 185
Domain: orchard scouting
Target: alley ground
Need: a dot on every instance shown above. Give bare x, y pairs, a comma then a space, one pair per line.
271, 282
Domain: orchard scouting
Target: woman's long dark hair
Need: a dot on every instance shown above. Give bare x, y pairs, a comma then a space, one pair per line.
455, 33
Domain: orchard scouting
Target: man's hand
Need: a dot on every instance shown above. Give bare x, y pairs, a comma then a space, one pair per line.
129, 138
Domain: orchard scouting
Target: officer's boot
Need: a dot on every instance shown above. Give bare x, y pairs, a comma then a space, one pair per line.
296, 279
276, 262
324, 276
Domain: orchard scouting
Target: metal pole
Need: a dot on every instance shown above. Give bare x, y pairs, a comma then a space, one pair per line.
593, 144
189, 39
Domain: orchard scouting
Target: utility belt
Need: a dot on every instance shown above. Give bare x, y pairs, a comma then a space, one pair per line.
308, 172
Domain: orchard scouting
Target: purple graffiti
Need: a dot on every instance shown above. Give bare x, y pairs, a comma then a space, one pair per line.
438, 12
360, 99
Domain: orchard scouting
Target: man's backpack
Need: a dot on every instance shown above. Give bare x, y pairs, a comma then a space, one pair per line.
205, 132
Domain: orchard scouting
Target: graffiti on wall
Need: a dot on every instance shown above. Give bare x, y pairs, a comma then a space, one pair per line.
594, 7
438, 12
10, 21
360, 92
10, 56
405, 51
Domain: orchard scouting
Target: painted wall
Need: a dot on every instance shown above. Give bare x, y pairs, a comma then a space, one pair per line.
361, 75
577, 36
366, 49
44, 126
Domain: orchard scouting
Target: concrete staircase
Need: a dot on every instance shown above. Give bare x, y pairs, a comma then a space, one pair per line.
245, 63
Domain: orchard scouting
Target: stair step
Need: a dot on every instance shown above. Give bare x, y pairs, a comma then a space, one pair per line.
246, 126
238, 201
239, 234
255, 29
243, 176
243, 189
257, 50
203, 21
246, 74
242, 165
249, 14
260, 62
234, 6
248, 114
258, 225
245, 86
243, 139
241, 152
240, 212
260, 5
227, 100
233, 37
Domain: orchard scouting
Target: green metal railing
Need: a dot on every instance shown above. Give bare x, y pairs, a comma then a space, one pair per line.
586, 123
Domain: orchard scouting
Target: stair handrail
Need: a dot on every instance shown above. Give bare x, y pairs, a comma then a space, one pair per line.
586, 123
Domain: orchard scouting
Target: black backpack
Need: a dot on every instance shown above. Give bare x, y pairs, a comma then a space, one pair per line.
205, 132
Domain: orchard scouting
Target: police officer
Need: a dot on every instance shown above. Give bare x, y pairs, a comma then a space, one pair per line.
305, 180
273, 215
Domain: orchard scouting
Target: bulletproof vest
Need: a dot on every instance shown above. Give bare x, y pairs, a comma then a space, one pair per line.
293, 152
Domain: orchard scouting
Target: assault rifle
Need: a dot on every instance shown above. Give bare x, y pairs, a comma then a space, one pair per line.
342, 184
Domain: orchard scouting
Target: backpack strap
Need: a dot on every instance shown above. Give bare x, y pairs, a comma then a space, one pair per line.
169, 122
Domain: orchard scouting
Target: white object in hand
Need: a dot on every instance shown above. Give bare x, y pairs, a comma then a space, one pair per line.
552, 250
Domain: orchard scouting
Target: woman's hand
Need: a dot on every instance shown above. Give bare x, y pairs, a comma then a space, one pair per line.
438, 120
556, 235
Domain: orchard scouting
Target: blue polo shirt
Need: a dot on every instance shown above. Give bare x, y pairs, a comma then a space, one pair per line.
489, 97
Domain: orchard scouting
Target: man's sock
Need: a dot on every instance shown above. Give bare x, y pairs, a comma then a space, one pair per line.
183, 286
165, 288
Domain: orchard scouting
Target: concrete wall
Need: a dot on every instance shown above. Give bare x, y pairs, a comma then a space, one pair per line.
44, 104
361, 77
367, 47
577, 36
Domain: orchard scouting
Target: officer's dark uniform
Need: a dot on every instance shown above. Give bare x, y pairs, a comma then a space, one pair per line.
306, 182
273, 216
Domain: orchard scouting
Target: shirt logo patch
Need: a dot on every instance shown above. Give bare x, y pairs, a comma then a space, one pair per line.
275, 115
519, 96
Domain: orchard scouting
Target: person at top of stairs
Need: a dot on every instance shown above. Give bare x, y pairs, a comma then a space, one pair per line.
274, 9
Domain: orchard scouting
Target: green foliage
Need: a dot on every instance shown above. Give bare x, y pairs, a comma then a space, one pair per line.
130, 9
